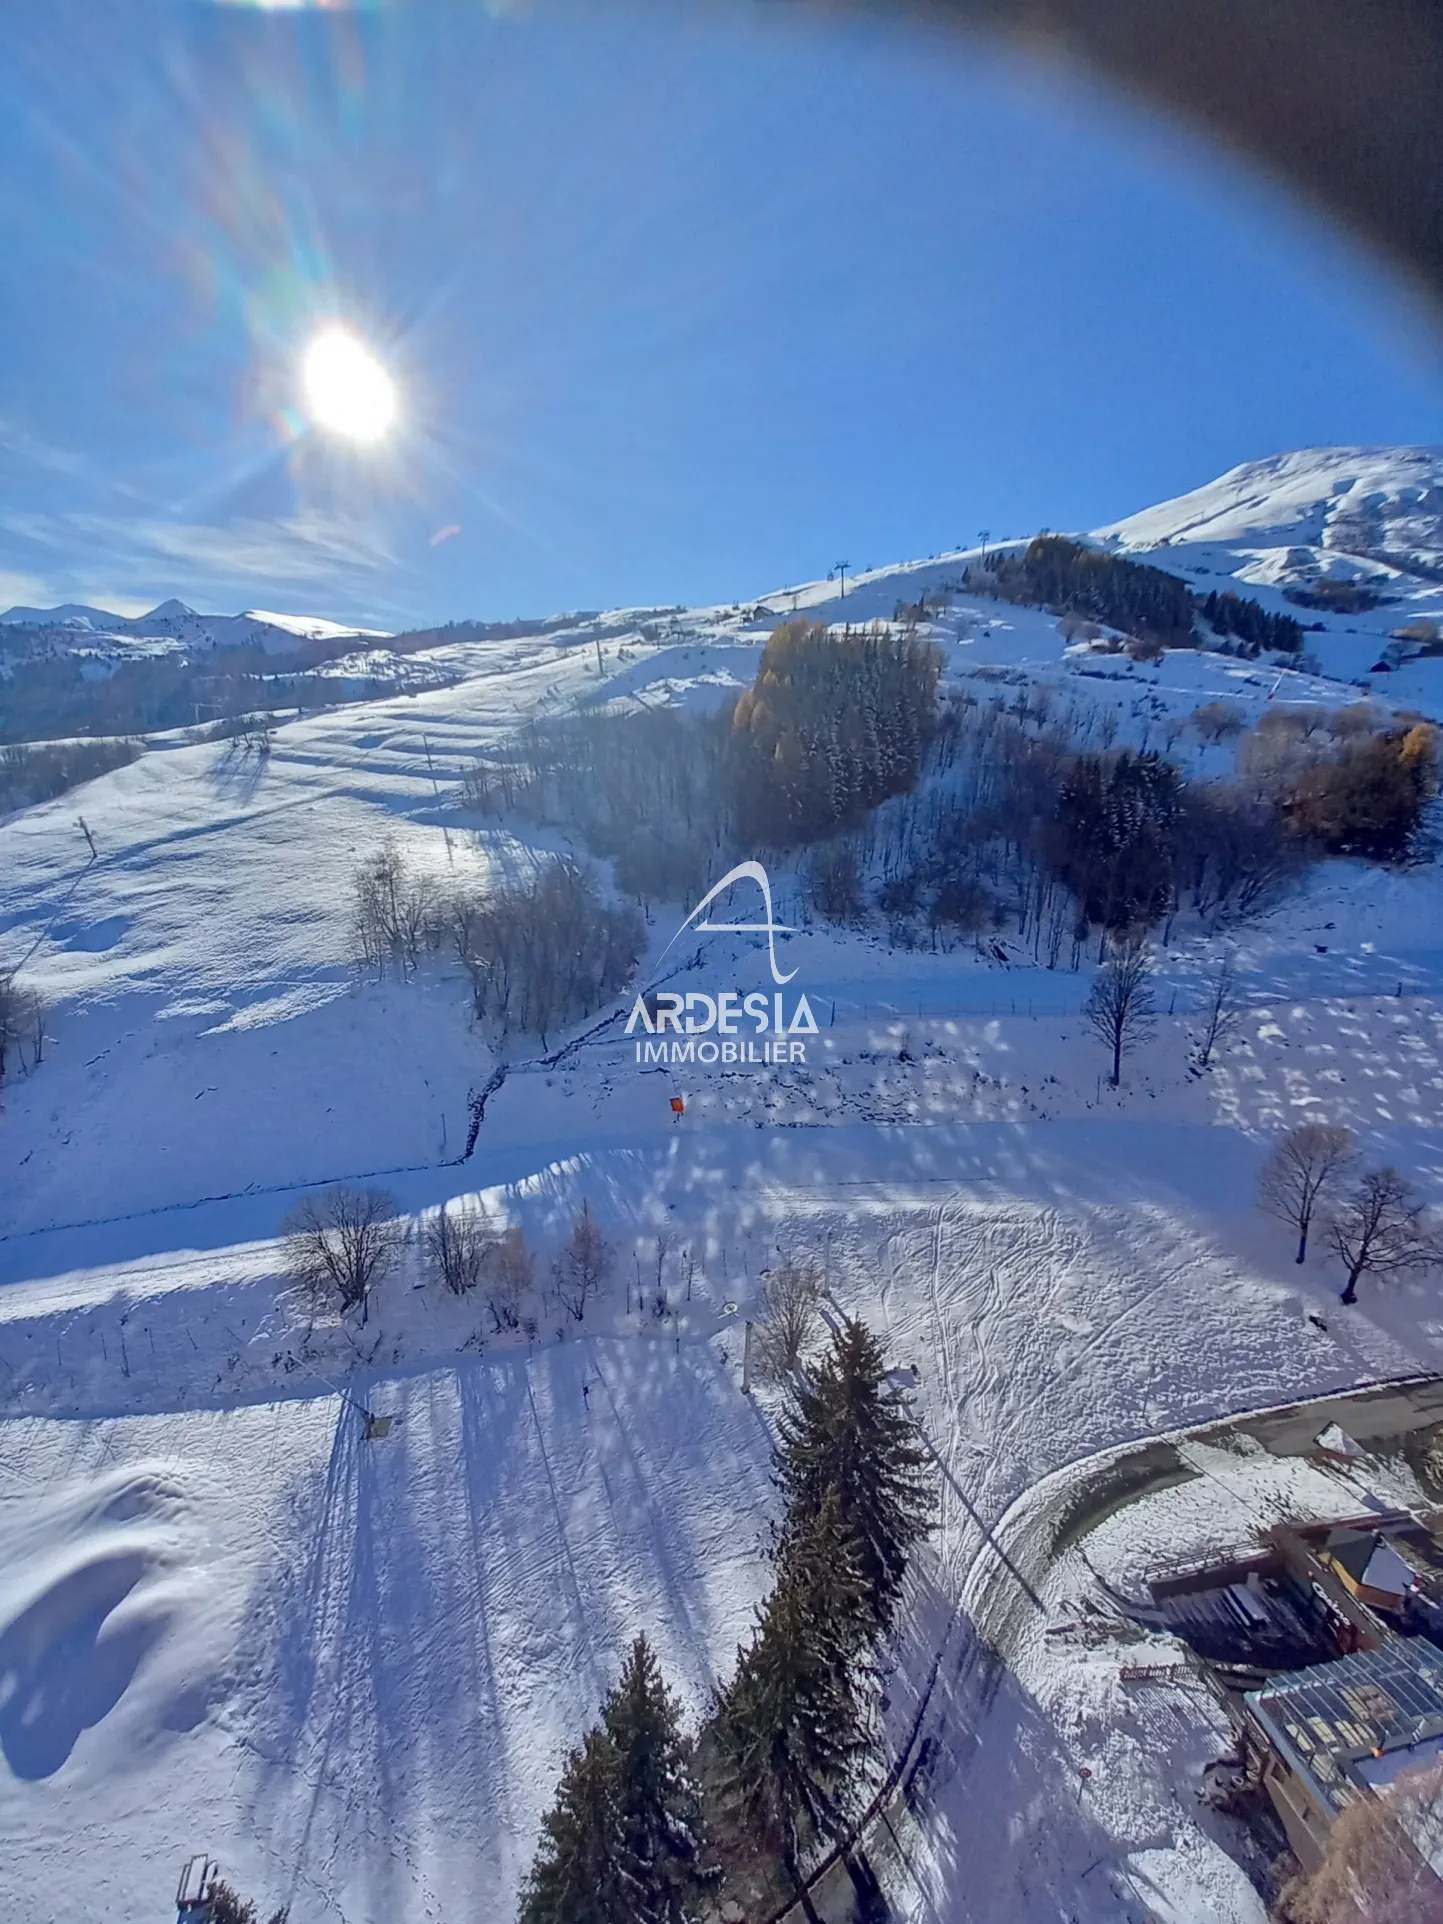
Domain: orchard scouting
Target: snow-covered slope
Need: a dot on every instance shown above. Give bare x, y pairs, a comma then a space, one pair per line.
350, 1668
1293, 529
1382, 506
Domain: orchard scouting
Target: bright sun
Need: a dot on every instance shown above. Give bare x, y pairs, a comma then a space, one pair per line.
347, 389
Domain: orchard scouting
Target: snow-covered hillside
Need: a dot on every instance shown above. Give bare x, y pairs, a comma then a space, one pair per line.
1292, 529
1351, 505
350, 1669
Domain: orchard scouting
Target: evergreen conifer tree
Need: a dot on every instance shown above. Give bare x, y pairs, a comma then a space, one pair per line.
849, 1432
824, 1561
789, 1731
659, 1809
576, 1878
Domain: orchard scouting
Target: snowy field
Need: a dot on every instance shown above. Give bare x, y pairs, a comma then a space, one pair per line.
349, 1669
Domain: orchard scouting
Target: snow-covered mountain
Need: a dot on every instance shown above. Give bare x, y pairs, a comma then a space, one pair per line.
176, 623
1371, 515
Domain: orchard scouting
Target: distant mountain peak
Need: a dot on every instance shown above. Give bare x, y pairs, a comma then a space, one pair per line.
172, 610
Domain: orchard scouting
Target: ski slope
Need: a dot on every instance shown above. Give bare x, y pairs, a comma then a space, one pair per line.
349, 1669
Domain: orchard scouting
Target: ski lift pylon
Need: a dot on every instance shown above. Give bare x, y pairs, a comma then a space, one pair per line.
193, 1892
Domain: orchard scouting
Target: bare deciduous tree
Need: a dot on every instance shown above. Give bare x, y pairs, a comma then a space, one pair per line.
1376, 1869
1382, 1230
1221, 1009
1300, 1170
583, 1265
395, 914
1119, 1006
259, 735
458, 1245
509, 1272
834, 883
39, 1011
22, 1021
1216, 720
340, 1244
788, 1324
11, 1020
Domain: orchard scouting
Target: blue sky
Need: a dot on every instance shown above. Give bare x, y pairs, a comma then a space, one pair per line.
684, 304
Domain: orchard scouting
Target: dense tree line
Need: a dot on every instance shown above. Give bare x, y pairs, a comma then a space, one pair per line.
61, 694
1072, 578
1336, 597
1016, 826
832, 725
1230, 614
55, 696
645, 1824
412, 640
1015, 814
38, 773
1087, 583
1115, 836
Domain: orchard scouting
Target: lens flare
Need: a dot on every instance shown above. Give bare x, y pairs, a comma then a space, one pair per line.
347, 390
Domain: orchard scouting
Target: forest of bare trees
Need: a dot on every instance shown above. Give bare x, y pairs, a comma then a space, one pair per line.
540, 951
545, 951
649, 791
34, 772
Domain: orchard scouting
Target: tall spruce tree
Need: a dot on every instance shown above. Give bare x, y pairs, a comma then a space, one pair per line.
848, 1431
659, 1808
790, 1731
822, 1561
577, 1878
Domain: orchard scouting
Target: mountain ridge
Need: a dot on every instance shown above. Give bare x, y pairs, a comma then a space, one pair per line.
1279, 525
